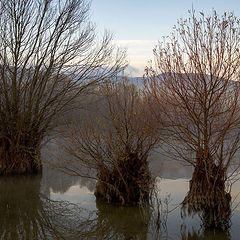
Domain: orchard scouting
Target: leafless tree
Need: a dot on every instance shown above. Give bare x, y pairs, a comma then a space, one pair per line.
195, 82
49, 54
117, 144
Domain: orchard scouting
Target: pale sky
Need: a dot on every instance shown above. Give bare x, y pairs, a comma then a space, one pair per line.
139, 24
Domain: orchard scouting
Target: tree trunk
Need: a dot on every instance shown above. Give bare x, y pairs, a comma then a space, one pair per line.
19, 156
207, 195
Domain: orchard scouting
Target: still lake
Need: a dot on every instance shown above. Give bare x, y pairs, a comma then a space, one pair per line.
59, 206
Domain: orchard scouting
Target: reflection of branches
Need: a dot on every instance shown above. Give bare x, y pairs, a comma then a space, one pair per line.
68, 220
157, 211
25, 216
121, 222
108, 222
202, 234
30, 215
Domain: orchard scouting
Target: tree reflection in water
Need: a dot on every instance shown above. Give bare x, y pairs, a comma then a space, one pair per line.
115, 222
28, 214
204, 234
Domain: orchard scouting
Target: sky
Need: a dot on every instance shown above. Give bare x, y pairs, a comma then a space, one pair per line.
138, 25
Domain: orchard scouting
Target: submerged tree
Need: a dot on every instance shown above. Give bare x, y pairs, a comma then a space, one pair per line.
195, 84
117, 143
49, 54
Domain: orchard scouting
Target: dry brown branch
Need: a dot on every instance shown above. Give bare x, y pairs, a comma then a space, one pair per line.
117, 144
49, 54
194, 82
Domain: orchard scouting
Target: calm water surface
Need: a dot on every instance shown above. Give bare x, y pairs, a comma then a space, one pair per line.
57, 206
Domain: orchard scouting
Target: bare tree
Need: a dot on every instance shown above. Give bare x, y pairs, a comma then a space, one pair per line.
117, 143
195, 81
49, 54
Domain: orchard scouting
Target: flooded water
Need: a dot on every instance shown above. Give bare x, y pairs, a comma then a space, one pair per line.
58, 206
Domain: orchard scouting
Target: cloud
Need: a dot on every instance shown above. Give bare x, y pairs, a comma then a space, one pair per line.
132, 71
139, 52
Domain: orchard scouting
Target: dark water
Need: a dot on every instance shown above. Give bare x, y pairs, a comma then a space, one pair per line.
57, 206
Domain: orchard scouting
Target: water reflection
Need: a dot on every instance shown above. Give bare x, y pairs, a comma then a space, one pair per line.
121, 223
28, 214
204, 234
28, 211
59, 182
22, 208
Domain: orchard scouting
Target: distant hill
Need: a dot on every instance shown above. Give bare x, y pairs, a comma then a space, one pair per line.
138, 81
